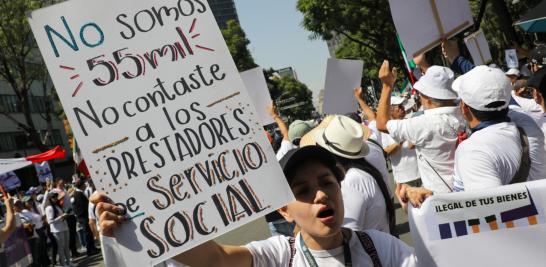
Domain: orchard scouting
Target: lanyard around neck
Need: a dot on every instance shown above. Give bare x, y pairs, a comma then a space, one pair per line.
346, 251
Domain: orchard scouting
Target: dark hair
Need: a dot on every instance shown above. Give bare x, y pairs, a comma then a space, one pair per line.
54, 205
336, 171
296, 142
489, 115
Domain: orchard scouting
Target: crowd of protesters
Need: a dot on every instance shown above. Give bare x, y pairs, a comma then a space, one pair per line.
58, 220
464, 128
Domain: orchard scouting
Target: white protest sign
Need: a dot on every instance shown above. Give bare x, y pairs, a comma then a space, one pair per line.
422, 24
511, 57
342, 77
258, 92
478, 47
162, 119
43, 171
503, 226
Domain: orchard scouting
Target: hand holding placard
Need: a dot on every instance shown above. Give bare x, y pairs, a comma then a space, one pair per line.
163, 120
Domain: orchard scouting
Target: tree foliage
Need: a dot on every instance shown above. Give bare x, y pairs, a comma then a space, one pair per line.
499, 30
282, 88
237, 43
21, 65
366, 29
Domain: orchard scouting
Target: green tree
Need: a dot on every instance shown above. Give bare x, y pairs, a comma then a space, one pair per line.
237, 43
365, 28
300, 106
497, 25
22, 67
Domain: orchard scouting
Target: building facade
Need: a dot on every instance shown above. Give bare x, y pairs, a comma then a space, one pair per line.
223, 10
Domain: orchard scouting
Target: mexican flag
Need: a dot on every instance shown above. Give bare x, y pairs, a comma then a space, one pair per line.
410, 65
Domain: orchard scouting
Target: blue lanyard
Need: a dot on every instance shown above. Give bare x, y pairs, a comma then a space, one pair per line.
346, 251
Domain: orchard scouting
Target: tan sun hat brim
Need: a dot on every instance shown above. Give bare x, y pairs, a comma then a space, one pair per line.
309, 138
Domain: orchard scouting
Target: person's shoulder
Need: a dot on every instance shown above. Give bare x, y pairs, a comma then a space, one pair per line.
274, 251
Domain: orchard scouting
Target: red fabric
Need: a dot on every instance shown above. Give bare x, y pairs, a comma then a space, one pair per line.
54, 153
82, 167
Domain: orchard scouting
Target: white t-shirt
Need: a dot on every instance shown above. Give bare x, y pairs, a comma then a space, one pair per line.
528, 105
363, 202
55, 224
276, 251
376, 157
404, 161
491, 156
541, 121
434, 135
285, 147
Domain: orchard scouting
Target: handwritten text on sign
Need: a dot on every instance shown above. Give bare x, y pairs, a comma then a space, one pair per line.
163, 119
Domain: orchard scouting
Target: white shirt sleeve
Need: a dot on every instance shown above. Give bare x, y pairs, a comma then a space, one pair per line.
392, 251
474, 169
410, 130
285, 147
274, 251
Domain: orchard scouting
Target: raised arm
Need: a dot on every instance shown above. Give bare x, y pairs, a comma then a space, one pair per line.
362, 103
6, 231
207, 254
212, 254
272, 110
392, 148
388, 77
458, 63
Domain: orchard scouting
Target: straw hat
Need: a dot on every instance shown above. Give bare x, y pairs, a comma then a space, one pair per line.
341, 136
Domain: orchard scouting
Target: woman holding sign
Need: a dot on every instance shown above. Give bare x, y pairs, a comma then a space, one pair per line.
318, 211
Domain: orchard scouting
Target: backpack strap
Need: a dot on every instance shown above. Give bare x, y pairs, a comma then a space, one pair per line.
292, 242
369, 247
525, 163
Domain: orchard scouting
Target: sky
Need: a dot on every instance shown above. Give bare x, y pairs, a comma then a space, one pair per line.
278, 40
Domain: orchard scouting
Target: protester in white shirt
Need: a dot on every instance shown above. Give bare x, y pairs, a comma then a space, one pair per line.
434, 133
402, 155
56, 218
376, 156
9, 219
493, 154
538, 83
318, 211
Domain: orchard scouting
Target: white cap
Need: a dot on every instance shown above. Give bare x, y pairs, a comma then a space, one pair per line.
409, 104
436, 83
482, 86
512, 71
396, 100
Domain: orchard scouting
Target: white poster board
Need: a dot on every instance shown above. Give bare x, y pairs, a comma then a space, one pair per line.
511, 57
342, 77
162, 119
422, 24
43, 171
503, 226
479, 48
258, 92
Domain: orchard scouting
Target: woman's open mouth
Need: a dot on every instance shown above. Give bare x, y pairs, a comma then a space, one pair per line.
326, 214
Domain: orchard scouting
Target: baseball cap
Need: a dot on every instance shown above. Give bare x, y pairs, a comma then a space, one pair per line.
512, 71
538, 81
484, 89
296, 156
396, 100
298, 129
436, 83
538, 55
